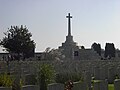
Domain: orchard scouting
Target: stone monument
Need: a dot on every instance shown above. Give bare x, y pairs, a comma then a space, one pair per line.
69, 48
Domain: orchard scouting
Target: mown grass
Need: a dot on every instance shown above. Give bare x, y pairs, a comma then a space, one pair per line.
111, 87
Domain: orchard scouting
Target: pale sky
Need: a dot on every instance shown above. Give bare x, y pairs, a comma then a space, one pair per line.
93, 21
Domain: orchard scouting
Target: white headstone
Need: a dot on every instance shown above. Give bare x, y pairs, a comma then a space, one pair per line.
97, 73
5, 88
111, 75
101, 85
117, 84
102, 74
88, 79
79, 86
30, 87
55, 86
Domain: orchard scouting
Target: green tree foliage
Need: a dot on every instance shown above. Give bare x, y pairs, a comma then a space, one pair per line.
82, 47
97, 48
18, 40
53, 54
109, 50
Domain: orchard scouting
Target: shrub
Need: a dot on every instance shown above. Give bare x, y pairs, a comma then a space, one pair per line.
66, 76
45, 75
17, 84
5, 80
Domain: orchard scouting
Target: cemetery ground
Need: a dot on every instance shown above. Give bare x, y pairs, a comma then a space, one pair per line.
111, 87
60, 75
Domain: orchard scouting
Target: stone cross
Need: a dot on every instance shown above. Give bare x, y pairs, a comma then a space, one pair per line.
69, 26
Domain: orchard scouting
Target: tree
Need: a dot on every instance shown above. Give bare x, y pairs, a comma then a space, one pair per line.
109, 50
53, 54
17, 40
97, 48
82, 47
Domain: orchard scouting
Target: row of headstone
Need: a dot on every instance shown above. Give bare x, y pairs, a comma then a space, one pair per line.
5, 88
101, 85
30, 87
100, 73
56, 86
27, 87
105, 73
76, 86
29, 67
79, 86
98, 85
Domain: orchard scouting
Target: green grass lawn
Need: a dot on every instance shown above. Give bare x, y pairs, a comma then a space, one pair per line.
111, 87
